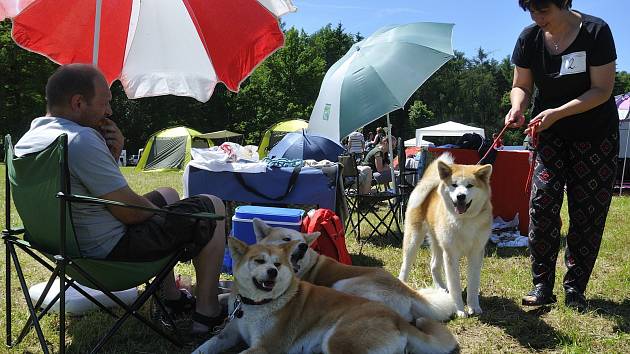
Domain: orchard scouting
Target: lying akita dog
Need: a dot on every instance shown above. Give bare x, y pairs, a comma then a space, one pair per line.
274, 312
369, 282
451, 204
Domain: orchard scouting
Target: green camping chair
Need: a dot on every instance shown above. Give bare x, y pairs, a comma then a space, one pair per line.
40, 186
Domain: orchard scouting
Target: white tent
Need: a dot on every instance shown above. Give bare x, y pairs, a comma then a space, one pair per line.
447, 129
412, 142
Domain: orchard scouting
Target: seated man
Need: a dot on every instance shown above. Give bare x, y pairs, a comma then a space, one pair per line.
78, 104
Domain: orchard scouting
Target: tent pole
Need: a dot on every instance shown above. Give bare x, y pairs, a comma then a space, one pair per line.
391, 154
625, 156
97, 32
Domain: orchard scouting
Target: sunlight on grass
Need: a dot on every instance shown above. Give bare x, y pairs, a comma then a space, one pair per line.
505, 326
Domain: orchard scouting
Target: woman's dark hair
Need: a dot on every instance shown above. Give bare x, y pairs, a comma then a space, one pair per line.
527, 5
69, 80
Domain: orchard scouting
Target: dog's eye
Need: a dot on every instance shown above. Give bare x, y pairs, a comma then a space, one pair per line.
259, 261
277, 265
454, 185
286, 239
469, 185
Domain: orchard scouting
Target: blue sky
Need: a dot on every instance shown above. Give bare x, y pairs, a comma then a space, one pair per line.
493, 25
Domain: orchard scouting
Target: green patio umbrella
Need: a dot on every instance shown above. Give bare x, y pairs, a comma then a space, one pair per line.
378, 75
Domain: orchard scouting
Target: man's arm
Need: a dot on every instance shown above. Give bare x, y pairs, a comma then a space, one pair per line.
128, 216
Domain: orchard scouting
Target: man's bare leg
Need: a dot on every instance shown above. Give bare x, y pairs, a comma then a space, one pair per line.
208, 266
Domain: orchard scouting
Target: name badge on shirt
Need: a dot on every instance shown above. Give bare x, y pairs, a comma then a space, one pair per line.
573, 63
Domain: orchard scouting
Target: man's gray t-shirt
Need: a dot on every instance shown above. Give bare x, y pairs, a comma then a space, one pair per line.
93, 172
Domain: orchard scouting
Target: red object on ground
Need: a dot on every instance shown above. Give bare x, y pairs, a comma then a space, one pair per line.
509, 175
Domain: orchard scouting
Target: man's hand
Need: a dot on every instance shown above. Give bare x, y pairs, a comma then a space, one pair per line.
515, 118
546, 118
113, 137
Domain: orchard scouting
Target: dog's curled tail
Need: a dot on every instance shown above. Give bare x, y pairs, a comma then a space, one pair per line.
433, 303
429, 336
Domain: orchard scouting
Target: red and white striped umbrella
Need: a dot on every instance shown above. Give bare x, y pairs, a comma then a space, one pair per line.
156, 47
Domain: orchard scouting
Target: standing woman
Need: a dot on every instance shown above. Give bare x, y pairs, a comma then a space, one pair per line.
570, 57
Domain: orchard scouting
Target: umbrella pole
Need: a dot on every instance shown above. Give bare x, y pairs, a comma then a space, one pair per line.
625, 157
391, 154
97, 32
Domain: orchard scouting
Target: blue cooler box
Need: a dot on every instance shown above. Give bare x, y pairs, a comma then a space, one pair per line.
243, 228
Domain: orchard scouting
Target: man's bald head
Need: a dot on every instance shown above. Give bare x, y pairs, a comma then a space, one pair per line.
69, 80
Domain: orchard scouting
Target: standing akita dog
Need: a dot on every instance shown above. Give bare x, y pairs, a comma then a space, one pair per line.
451, 204
274, 312
369, 282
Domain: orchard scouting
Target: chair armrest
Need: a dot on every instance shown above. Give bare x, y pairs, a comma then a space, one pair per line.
14, 231
85, 199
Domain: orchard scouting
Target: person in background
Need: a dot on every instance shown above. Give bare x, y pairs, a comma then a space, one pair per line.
78, 104
378, 161
356, 143
570, 57
380, 133
499, 143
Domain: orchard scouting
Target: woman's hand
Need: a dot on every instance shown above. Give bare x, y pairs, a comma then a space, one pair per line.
515, 118
113, 137
546, 118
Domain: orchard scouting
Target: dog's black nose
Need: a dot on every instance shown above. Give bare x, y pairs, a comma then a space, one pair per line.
461, 197
303, 247
272, 273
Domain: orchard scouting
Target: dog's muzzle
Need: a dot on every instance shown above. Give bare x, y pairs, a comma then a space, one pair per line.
269, 283
298, 255
460, 205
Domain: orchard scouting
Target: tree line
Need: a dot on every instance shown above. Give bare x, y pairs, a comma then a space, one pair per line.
469, 90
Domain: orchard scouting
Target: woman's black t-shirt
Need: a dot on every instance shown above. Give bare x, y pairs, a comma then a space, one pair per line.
564, 77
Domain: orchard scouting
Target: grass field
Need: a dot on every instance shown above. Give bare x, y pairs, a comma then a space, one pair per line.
505, 326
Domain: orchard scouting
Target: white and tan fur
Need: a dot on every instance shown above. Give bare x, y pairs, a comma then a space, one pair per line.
451, 204
298, 317
369, 282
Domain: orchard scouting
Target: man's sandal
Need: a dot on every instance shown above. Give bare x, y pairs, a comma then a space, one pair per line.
185, 303
203, 323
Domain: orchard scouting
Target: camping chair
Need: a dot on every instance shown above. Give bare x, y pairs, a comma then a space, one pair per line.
371, 200
40, 185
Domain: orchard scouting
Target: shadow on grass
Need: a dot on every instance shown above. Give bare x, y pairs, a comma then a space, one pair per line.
505, 252
620, 312
366, 261
524, 326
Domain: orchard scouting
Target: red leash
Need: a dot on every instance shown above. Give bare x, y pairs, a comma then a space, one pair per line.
494, 143
533, 142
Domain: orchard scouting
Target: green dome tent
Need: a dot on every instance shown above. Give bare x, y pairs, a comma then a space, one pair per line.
169, 149
277, 131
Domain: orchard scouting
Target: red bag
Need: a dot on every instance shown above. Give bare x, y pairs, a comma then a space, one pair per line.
331, 242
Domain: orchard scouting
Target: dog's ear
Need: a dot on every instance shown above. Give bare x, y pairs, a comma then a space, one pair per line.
484, 172
310, 238
444, 170
237, 247
261, 229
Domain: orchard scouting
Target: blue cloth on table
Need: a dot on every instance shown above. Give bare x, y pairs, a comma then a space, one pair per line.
313, 186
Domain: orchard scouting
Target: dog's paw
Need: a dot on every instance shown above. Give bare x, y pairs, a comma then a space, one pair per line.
476, 310
461, 314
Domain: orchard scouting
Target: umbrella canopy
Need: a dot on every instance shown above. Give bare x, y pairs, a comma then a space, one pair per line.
623, 105
307, 147
378, 75
157, 47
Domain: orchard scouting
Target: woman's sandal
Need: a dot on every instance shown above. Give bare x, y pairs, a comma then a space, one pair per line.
538, 296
